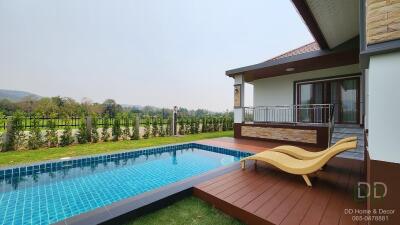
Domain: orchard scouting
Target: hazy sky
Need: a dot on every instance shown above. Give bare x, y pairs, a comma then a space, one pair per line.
147, 52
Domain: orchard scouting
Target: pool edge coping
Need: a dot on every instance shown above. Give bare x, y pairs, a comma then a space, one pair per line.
38, 163
131, 205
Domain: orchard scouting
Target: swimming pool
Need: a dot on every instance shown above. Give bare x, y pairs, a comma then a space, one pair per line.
51, 192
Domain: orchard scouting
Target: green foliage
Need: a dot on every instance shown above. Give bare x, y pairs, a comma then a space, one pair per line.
163, 131
135, 129
181, 123
51, 134
224, 124
168, 127
116, 128
15, 133
82, 134
204, 125
94, 133
105, 134
190, 210
35, 138
155, 128
18, 157
147, 128
126, 133
66, 136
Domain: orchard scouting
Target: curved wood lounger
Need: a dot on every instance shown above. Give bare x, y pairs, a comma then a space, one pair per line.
292, 165
301, 153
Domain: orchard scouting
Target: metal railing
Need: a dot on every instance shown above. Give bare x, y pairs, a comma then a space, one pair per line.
313, 113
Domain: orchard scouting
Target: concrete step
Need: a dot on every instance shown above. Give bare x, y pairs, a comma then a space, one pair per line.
348, 130
342, 131
344, 135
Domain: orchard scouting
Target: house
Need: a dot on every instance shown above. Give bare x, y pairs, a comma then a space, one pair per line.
347, 80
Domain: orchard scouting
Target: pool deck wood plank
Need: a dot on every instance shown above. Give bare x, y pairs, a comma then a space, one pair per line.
265, 195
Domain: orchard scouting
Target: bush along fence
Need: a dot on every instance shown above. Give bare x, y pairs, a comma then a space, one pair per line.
20, 132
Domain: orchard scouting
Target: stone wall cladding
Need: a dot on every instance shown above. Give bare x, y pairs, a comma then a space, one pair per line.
281, 134
382, 20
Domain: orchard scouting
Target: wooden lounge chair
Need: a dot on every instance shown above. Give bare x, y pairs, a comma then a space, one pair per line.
301, 167
301, 153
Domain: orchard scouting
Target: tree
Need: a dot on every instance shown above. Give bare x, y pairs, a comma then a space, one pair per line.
155, 129
46, 107
116, 128
105, 135
82, 134
35, 139
14, 132
51, 134
111, 108
66, 136
7, 107
147, 128
135, 129
94, 133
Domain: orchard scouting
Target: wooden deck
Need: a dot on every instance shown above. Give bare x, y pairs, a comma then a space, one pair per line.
268, 196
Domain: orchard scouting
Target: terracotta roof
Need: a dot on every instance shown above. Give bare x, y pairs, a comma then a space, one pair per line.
313, 46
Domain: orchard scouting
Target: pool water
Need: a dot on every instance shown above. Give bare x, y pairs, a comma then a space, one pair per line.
47, 193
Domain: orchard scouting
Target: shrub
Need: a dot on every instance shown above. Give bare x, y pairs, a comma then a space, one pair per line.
82, 134
66, 136
155, 128
105, 135
181, 126
15, 133
126, 133
135, 130
51, 134
196, 126
116, 128
204, 125
224, 124
94, 133
163, 131
35, 139
147, 128
168, 128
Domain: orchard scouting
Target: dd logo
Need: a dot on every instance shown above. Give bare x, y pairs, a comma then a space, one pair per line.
364, 190
348, 211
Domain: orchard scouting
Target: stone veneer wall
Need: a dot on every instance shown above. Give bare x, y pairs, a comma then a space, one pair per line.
282, 134
382, 20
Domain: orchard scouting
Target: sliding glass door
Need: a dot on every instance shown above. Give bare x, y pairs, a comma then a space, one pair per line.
342, 93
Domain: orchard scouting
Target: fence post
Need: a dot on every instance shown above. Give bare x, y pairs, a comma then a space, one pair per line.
137, 126
89, 127
174, 117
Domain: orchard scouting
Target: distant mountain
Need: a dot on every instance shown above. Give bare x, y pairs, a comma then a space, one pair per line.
16, 96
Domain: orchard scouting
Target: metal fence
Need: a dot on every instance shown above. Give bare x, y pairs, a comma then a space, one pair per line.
74, 122
313, 113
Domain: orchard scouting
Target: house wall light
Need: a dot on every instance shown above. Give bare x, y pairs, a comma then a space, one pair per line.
290, 69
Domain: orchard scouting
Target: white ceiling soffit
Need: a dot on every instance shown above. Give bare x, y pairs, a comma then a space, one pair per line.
337, 19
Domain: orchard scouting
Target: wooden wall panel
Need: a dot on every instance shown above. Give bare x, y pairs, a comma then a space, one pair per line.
382, 20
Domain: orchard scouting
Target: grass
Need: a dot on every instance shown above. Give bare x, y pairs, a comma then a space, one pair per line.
30, 156
190, 210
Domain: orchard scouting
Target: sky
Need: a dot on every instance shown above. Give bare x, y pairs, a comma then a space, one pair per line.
142, 52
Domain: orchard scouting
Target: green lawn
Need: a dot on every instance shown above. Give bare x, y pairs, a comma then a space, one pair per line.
190, 210
28, 156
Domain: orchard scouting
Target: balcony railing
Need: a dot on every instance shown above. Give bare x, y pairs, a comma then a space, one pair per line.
314, 113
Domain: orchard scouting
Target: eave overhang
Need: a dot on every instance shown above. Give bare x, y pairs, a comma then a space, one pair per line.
344, 54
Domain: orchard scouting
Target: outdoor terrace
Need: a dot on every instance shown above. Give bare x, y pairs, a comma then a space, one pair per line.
268, 196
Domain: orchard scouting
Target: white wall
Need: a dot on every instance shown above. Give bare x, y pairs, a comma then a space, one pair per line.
384, 107
279, 90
